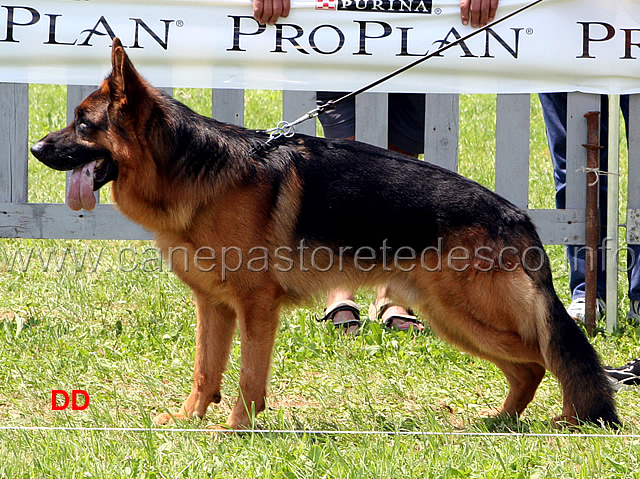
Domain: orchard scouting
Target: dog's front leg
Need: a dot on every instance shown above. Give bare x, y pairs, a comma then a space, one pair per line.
214, 335
258, 327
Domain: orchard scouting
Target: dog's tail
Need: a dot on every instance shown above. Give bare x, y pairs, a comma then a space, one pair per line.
588, 395
568, 354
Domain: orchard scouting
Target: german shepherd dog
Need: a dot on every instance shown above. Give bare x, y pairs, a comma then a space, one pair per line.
316, 214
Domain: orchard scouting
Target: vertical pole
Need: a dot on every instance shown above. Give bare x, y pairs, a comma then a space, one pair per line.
592, 221
612, 213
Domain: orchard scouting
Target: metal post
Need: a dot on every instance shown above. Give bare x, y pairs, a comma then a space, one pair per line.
592, 220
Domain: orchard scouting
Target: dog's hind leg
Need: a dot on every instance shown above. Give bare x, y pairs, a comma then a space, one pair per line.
214, 334
524, 379
495, 316
258, 318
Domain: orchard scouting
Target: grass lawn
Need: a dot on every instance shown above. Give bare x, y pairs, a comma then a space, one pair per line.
121, 327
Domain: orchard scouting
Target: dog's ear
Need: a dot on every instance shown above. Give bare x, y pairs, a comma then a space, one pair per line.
124, 78
118, 62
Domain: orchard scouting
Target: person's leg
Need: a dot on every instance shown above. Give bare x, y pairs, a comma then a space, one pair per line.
406, 123
633, 251
391, 314
342, 310
405, 135
554, 108
339, 122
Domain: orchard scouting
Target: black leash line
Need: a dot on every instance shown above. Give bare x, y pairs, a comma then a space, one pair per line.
287, 129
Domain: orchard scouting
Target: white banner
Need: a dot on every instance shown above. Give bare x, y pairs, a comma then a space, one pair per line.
557, 45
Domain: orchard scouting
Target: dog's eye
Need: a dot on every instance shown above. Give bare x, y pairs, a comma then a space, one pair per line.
83, 127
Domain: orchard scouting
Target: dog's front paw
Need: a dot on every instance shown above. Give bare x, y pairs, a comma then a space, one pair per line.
167, 418
494, 412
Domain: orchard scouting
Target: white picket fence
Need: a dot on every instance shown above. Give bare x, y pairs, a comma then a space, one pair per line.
21, 219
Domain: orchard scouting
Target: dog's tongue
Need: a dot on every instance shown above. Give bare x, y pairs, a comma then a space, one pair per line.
80, 194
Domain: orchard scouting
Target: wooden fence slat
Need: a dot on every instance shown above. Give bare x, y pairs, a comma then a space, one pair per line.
53, 221
228, 106
513, 121
14, 139
441, 132
560, 227
577, 105
297, 103
58, 221
75, 95
372, 112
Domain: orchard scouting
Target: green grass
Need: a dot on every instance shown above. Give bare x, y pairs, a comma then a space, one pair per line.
127, 337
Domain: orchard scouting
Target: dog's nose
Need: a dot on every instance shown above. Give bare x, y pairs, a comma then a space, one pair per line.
36, 148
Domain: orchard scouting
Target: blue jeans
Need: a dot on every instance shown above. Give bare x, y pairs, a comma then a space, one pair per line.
554, 108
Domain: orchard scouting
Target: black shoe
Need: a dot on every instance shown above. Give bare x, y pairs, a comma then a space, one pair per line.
626, 375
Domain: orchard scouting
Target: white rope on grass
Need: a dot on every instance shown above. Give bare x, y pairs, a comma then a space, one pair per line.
315, 432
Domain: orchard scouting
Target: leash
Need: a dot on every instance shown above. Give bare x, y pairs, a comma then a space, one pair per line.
285, 129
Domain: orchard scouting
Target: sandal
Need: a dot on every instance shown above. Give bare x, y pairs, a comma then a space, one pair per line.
350, 322
400, 322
